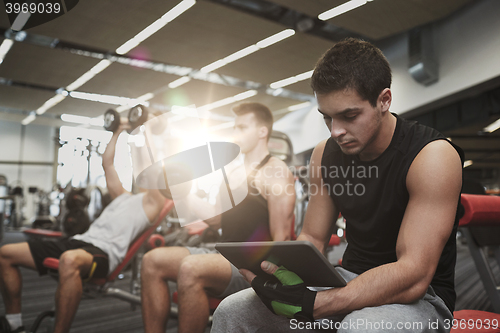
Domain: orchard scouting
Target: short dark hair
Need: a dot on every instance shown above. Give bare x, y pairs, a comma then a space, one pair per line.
260, 111
352, 64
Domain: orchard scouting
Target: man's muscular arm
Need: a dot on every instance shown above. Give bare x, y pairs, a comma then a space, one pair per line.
321, 212
113, 182
280, 193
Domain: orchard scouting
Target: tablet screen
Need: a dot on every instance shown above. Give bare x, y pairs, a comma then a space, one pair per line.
300, 257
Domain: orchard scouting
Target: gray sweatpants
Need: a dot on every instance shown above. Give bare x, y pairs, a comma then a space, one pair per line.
244, 312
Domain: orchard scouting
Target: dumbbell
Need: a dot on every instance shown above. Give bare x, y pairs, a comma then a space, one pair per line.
139, 114
111, 120
136, 117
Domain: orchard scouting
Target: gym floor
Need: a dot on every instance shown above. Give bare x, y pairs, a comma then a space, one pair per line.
109, 315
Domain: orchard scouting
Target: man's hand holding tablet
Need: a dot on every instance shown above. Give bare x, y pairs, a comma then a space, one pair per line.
289, 297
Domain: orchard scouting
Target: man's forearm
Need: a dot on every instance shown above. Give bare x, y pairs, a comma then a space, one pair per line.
386, 284
109, 154
317, 243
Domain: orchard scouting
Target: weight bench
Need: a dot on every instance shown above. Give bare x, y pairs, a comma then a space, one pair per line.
101, 287
43, 233
481, 212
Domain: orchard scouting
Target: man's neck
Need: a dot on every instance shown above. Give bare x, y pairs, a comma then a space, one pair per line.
383, 139
256, 155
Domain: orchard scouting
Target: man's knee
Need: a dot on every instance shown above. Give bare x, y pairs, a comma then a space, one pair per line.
190, 270
7, 254
70, 262
3, 254
152, 261
155, 263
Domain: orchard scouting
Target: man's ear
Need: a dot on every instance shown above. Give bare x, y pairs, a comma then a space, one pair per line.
263, 131
384, 100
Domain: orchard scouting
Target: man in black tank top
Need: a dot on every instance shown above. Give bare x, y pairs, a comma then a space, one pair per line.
398, 184
266, 213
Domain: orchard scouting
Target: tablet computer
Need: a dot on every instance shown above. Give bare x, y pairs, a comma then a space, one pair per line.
300, 257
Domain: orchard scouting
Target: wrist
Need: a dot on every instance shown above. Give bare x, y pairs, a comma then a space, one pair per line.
323, 304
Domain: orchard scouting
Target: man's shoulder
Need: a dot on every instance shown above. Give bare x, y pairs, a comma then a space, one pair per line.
275, 169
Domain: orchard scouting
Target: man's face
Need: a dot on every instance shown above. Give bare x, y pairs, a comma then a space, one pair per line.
246, 132
353, 123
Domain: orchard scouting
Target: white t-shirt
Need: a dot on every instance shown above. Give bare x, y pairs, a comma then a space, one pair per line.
118, 225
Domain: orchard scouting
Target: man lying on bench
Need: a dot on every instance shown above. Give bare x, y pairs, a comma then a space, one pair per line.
92, 254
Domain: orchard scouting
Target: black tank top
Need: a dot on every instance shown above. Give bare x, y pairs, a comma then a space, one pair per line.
372, 197
249, 220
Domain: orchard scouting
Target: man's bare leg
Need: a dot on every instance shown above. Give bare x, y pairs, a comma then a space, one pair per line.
197, 275
12, 256
158, 267
73, 264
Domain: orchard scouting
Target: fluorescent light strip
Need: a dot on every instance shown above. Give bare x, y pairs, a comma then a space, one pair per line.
468, 163
101, 65
229, 100
20, 21
248, 50
343, 8
298, 106
492, 127
109, 99
71, 118
179, 82
5, 47
155, 26
291, 80
28, 119
275, 38
241, 53
50, 103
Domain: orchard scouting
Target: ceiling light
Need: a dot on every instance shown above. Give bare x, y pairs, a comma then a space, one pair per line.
146, 97
492, 127
291, 80
5, 47
229, 100
304, 76
213, 66
99, 122
101, 65
109, 99
28, 119
298, 106
179, 82
245, 95
343, 8
71, 118
50, 103
241, 53
20, 21
155, 26
248, 50
275, 38
467, 163
277, 92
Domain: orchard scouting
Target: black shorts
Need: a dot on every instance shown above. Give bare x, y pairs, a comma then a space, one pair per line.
53, 249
